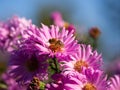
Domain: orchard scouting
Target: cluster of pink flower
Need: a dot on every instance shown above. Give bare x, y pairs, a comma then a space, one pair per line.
50, 58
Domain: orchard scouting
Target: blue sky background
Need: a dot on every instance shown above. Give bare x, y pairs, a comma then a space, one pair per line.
88, 13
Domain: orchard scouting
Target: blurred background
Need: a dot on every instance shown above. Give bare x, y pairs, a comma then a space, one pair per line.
84, 14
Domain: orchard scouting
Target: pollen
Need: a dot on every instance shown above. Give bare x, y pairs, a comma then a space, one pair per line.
79, 65
66, 24
89, 86
55, 45
34, 84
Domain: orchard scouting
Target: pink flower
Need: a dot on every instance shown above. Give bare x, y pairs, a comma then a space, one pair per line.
52, 41
11, 32
26, 63
91, 80
62, 81
11, 83
115, 83
57, 18
58, 21
94, 81
83, 59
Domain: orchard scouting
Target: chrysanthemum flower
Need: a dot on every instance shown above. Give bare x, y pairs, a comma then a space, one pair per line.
3, 35
26, 64
11, 32
94, 81
10, 83
91, 80
115, 83
52, 41
58, 21
83, 59
63, 80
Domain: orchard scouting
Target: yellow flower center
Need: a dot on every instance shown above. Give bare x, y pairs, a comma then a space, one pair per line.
55, 45
66, 25
89, 86
79, 64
